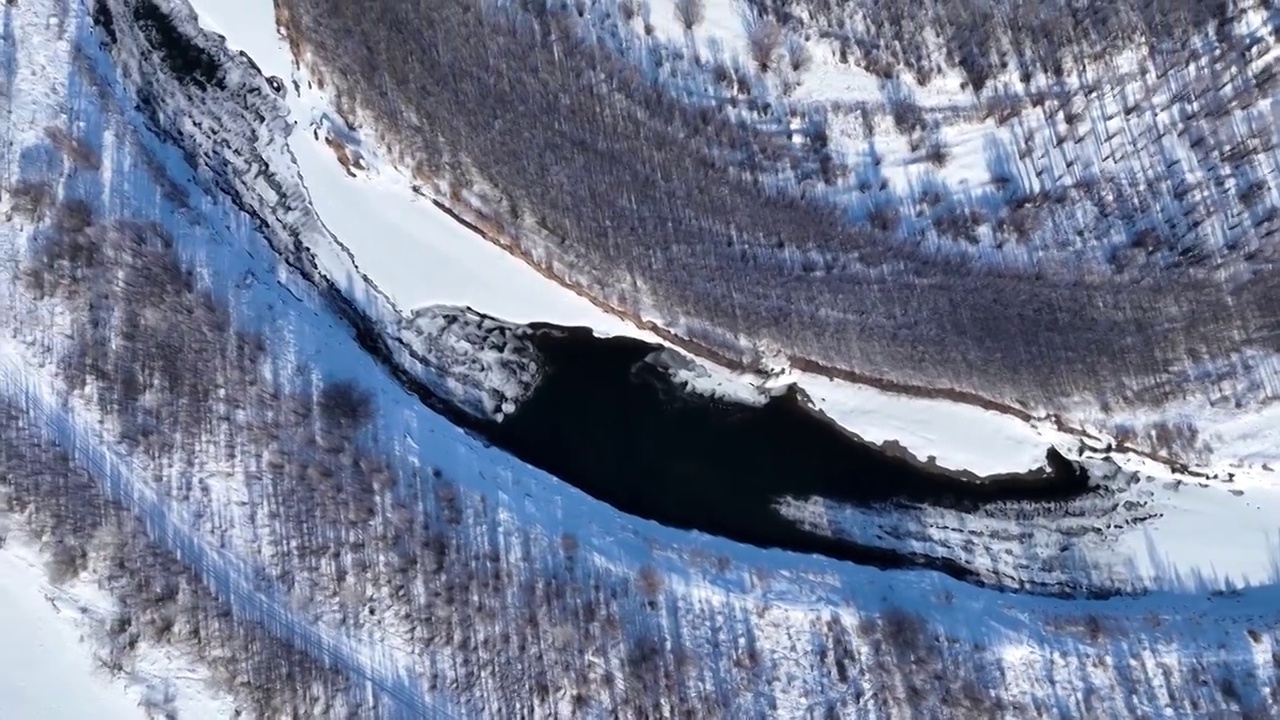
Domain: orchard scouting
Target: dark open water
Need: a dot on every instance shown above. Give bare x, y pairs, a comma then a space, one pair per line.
620, 429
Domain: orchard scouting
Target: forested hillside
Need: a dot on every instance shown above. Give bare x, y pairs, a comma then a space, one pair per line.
699, 208
192, 428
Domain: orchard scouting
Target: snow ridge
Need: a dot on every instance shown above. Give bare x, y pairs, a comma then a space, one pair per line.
233, 132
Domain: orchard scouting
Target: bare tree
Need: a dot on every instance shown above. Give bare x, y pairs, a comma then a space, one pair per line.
73, 215
649, 582
345, 403
691, 13
798, 53
32, 198
936, 149
906, 112
763, 40
77, 150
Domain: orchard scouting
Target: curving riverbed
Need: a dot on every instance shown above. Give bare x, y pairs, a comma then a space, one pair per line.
620, 428
599, 417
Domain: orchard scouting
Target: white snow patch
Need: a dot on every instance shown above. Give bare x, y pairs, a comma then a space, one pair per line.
47, 665
1251, 439
1209, 535
954, 435
416, 253
45, 669
709, 380
724, 25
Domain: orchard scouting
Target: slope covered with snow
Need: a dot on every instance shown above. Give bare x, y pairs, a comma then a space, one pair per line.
354, 202
242, 149
51, 668
254, 487
429, 258
45, 670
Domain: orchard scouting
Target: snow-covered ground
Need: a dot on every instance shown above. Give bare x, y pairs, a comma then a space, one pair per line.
723, 27
1150, 529
1210, 534
419, 255
958, 436
46, 668
776, 600
951, 434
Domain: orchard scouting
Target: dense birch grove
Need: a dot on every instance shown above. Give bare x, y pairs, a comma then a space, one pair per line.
641, 196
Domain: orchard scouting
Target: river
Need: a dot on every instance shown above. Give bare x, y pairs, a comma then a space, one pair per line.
621, 429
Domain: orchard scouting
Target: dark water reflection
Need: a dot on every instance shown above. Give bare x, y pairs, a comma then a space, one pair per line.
622, 430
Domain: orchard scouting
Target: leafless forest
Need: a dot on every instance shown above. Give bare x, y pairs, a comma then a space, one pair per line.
509, 621
982, 39
658, 202
302, 474
513, 622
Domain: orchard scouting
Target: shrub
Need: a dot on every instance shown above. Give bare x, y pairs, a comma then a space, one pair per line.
345, 403
1003, 107
32, 198
649, 582
763, 40
885, 217
798, 53
65, 563
905, 111
936, 150
74, 215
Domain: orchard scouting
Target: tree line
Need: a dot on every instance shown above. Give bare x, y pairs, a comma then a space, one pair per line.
301, 473
618, 184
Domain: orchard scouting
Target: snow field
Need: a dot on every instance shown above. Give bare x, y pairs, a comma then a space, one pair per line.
419, 256
778, 598
956, 436
45, 669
